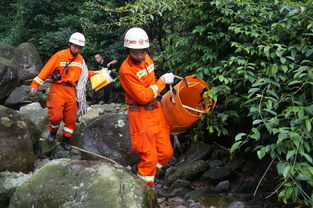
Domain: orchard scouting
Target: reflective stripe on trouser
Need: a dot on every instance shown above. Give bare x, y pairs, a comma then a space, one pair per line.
53, 128
159, 166
150, 138
62, 106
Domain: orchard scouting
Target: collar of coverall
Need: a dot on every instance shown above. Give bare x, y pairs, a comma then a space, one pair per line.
140, 64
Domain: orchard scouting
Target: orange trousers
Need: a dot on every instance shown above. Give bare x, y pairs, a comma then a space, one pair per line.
62, 105
150, 139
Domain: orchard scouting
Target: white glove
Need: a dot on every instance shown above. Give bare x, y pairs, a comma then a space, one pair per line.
168, 78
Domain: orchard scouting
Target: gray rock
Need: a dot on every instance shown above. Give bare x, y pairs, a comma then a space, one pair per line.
208, 198
222, 186
217, 174
68, 184
237, 204
6, 51
104, 130
9, 181
215, 164
8, 79
59, 152
32, 106
21, 96
179, 184
176, 192
17, 138
43, 148
40, 118
27, 61
197, 151
188, 172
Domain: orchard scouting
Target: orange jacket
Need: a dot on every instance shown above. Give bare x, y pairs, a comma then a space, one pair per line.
139, 82
57, 63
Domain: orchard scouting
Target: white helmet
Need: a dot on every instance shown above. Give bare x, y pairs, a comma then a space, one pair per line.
77, 39
136, 38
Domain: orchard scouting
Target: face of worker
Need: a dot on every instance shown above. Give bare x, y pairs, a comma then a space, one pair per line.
98, 58
75, 49
137, 54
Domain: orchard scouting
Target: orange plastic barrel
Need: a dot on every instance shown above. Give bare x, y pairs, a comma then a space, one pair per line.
185, 107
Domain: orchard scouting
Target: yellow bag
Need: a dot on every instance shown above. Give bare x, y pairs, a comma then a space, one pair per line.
98, 81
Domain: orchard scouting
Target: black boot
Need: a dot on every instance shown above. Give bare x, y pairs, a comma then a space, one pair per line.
51, 137
65, 143
134, 169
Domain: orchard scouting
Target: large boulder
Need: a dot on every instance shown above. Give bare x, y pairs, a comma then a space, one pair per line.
104, 130
17, 138
27, 61
9, 181
8, 78
21, 96
68, 183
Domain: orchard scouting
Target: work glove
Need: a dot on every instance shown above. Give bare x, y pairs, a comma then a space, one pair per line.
168, 78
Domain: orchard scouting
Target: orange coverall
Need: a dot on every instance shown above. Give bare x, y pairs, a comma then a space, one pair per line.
150, 133
61, 101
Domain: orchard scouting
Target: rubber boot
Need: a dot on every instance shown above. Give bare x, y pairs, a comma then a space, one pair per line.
65, 143
51, 137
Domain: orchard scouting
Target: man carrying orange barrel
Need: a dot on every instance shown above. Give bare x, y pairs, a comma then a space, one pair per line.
150, 133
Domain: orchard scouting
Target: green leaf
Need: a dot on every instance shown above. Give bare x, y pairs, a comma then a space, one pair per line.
257, 121
261, 152
235, 146
308, 125
280, 168
290, 154
267, 51
281, 137
239, 136
286, 171
256, 134
307, 157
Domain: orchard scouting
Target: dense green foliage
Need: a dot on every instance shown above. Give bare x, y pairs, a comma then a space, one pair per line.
255, 55
48, 24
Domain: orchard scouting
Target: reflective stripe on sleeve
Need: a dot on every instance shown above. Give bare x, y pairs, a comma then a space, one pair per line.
150, 68
38, 80
155, 90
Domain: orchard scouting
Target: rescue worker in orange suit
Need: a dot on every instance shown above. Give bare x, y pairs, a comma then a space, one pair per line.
64, 69
150, 133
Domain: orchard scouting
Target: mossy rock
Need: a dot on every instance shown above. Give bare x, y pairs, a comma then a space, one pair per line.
83, 184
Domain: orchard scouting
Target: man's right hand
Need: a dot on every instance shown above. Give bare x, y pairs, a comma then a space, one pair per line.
33, 91
168, 78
